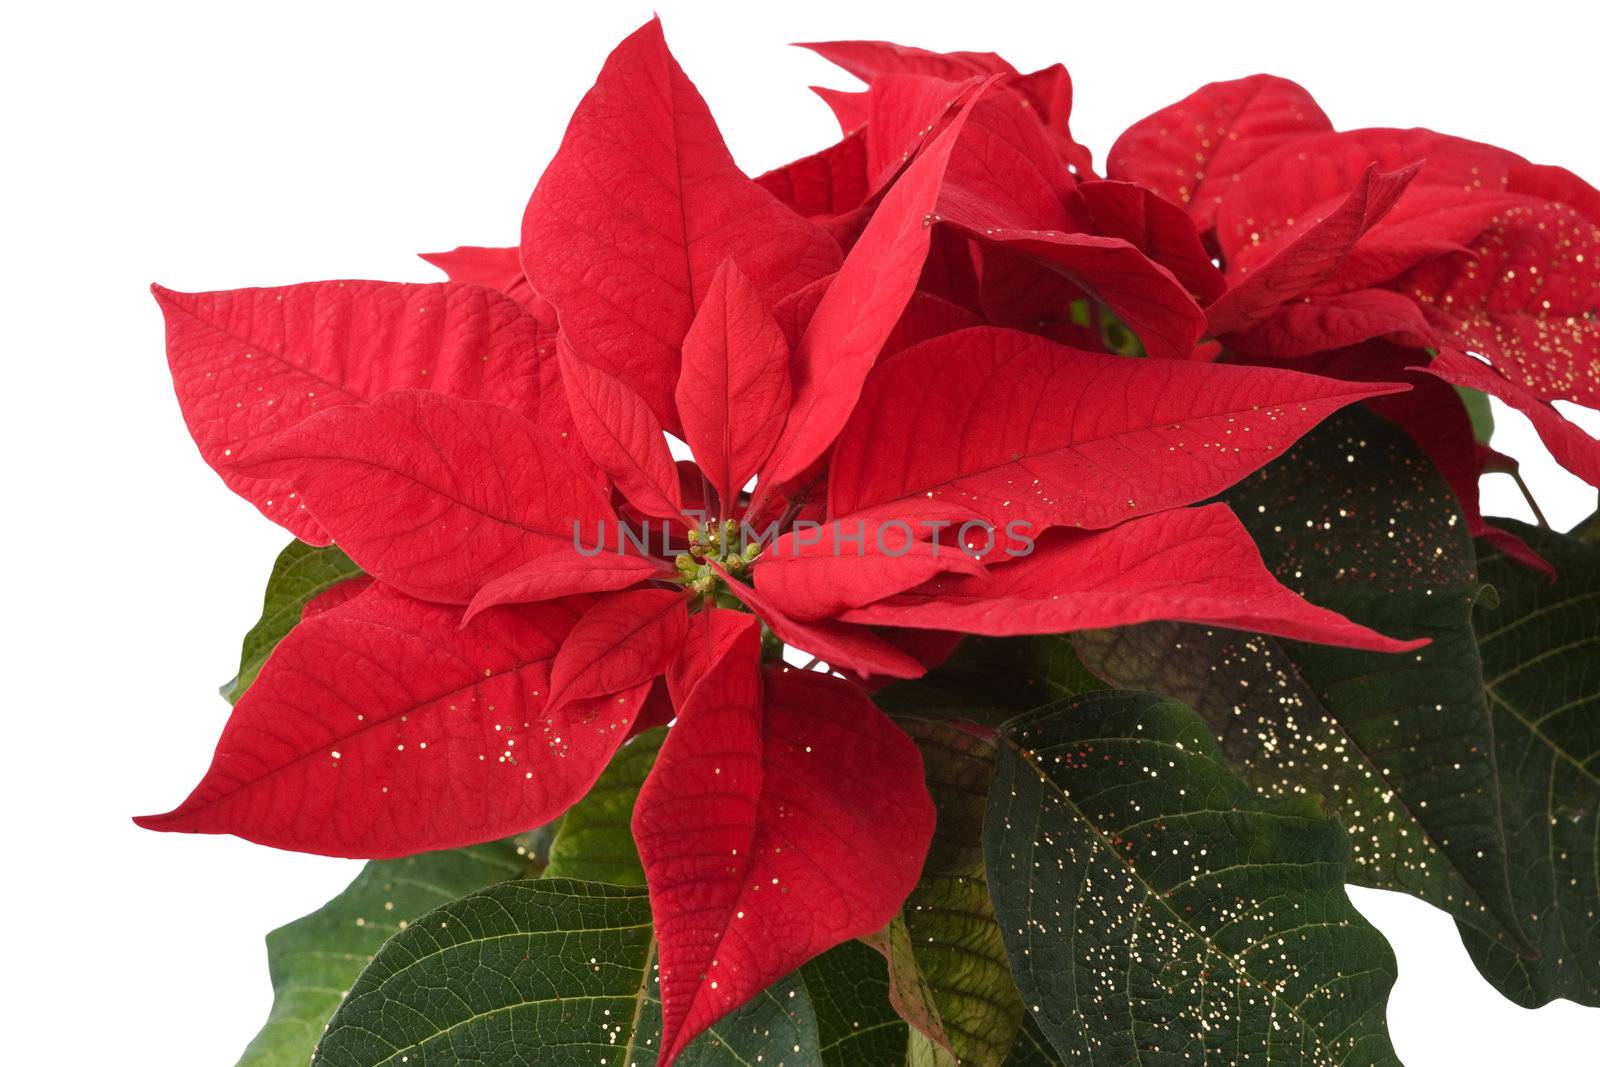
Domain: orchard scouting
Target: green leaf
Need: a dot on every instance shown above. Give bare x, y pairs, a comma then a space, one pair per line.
314, 959
1032, 1048
1541, 658
1398, 747
1157, 911
778, 1027
524, 972
856, 1024
948, 950
301, 572
989, 680
543, 973
1478, 411
595, 840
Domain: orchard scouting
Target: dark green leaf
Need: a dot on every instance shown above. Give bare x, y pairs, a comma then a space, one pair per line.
595, 841
1398, 747
545, 973
1157, 911
1032, 1048
849, 989
778, 1027
301, 572
988, 680
313, 960
524, 973
1541, 658
950, 935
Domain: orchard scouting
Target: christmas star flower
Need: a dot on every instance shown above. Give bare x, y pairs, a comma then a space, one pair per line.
892, 446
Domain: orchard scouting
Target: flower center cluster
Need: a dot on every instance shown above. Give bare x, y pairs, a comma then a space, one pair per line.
723, 544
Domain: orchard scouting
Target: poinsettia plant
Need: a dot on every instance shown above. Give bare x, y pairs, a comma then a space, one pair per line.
928, 603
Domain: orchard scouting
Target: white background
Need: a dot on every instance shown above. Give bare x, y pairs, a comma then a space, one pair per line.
217, 145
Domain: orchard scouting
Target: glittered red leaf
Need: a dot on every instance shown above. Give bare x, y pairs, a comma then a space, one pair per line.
1191, 565
435, 495
733, 392
382, 728
1286, 184
1568, 443
622, 436
624, 640
1318, 324
785, 815
1308, 253
335, 595
637, 209
250, 363
1022, 430
1192, 151
1558, 184
1527, 297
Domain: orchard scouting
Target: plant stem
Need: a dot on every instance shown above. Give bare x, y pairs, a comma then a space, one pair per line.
1516, 476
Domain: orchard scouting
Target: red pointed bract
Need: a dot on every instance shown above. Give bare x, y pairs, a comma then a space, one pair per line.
838, 644
622, 436
1526, 296
597, 568
494, 268
1020, 429
637, 209
712, 634
733, 392
383, 728
818, 573
1303, 327
785, 815
1156, 227
1568, 443
624, 640
859, 310
1309, 253
1191, 565
434, 495
1192, 151
248, 364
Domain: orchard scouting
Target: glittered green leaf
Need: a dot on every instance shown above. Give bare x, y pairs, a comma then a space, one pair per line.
1398, 747
951, 939
1032, 1048
1157, 911
301, 573
1541, 659
314, 959
594, 842
778, 1027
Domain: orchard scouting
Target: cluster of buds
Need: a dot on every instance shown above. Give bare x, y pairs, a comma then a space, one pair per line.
720, 543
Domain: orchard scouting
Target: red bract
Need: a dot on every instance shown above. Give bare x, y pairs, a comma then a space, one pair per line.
1192, 151
1410, 237
899, 364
